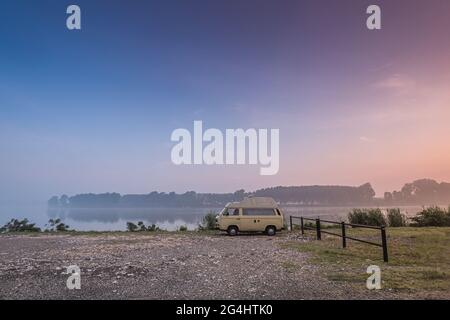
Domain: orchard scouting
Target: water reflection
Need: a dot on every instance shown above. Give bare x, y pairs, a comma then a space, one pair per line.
166, 218
116, 218
109, 219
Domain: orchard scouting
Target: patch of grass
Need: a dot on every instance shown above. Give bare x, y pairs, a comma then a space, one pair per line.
344, 277
419, 258
435, 275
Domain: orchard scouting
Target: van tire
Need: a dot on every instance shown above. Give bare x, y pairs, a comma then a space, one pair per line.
271, 230
232, 231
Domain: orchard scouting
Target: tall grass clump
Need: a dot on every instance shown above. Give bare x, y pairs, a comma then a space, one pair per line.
433, 216
396, 218
370, 217
357, 216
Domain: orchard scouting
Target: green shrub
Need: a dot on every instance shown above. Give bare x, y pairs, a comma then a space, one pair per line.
61, 227
357, 216
396, 218
131, 227
153, 227
432, 217
141, 226
376, 217
208, 222
370, 217
182, 228
56, 225
16, 225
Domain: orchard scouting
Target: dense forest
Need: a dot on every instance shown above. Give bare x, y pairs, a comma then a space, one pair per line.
420, 192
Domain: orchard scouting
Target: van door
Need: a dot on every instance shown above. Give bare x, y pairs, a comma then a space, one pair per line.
231, 217
249, 221
258, 219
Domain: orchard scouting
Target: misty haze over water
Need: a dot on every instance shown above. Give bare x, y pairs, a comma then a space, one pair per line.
112, 219
169, 211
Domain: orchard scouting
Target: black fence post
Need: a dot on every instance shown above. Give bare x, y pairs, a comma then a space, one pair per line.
344, 241
319, 237
384, 244
301, 225
290, 222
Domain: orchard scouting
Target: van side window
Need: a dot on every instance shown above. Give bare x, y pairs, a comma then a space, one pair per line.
231, 212
258, 212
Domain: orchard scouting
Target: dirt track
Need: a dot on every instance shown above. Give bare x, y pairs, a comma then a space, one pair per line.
164, 266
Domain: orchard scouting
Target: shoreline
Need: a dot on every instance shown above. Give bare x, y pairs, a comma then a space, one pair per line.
207, 265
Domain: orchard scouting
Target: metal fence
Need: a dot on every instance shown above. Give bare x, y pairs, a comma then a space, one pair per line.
342, 235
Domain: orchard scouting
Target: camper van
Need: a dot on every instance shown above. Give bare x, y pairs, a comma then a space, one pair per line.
258, 214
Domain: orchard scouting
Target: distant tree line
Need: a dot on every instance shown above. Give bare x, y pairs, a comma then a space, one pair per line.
320, 195
308, 195
153, 199
420, 192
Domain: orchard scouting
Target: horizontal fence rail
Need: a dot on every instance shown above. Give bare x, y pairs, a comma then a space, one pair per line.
342, 235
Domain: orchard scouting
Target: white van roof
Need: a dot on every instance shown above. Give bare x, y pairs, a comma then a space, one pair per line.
255, 202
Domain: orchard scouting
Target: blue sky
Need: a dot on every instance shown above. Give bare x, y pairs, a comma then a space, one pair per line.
93, 110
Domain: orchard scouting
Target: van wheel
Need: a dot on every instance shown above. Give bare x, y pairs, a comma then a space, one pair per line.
271, 230
232, 231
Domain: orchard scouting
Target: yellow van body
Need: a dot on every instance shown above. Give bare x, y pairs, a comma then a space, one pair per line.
258, 214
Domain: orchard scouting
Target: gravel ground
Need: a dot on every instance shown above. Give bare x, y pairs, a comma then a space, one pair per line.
164, 266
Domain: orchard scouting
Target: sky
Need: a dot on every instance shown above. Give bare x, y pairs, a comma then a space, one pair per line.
92, 110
